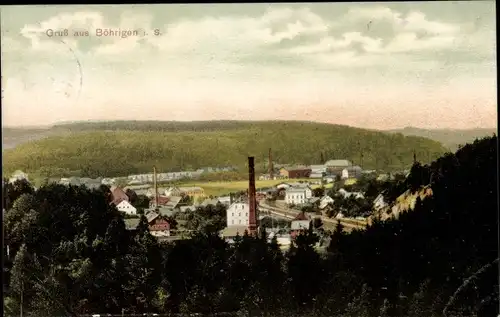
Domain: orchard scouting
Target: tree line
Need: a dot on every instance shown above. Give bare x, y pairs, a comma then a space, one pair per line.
71, 254
121, 152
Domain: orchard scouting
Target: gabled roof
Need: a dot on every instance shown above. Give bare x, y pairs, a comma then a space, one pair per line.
162, 200
173, 202
295, 190
152, 215
301, 216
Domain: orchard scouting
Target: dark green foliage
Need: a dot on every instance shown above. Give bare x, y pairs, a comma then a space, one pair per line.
122, 148
71, 255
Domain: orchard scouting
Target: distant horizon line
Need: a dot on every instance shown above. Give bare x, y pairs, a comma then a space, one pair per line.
61, 123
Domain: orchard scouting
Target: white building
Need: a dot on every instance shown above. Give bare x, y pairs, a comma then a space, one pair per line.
304, 187
324, 201
238, 214
126, 207
295, 196
352, 171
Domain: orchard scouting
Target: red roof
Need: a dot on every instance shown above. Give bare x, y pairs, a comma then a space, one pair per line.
301, 216
117, 195
162, 200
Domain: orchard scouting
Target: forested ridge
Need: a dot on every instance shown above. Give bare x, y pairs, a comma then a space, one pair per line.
72, 255
122, 148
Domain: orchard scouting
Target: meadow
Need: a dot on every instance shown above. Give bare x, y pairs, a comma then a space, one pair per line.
224, 188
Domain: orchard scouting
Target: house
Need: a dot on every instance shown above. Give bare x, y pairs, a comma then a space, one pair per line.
325, 201
158, 225
238, 214
173, 191
126, 207
313, 200
379, 203
295, 196
18, 175
173, 202
162, 201
295, 172
351, 171
301, 223
117, 195
305, 187
283, 185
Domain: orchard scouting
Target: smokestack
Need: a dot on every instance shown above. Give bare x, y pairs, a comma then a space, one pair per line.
414, 157
252, 228
270, 165
155, 186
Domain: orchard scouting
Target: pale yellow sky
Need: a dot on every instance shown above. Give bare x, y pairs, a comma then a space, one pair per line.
387, 65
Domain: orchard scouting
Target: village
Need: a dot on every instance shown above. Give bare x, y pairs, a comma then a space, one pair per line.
302, 198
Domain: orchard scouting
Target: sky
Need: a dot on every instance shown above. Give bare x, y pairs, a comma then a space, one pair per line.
369, 65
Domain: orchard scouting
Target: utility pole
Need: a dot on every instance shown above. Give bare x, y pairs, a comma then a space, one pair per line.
155, 187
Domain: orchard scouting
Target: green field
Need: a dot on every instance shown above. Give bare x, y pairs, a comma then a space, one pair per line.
224, 188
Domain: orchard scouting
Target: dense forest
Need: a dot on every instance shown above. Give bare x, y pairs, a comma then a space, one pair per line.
123, 148
71, 254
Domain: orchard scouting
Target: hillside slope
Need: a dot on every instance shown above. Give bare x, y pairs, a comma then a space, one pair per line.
448, 137
444, 240
120, 148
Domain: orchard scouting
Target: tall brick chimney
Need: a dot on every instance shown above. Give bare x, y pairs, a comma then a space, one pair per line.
270, 165
252, 201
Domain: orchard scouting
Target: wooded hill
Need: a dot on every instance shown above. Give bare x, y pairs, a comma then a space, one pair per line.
126, 147
450, 138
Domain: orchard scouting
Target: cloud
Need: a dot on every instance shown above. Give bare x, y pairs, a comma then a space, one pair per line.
280, 37
413, 21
